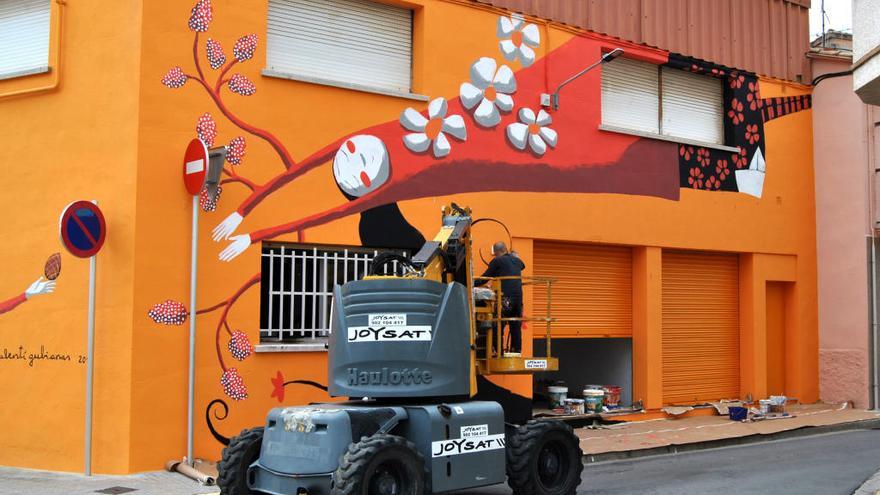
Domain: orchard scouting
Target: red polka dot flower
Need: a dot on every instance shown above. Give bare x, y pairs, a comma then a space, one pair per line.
201, 15
739, 158
206, 203
214, 50
703, 157
245, 47
696, 178
736, 112
174, 78
685, 151
169, 313
207, 129
233, 384
240, 346
235, 150
239, 84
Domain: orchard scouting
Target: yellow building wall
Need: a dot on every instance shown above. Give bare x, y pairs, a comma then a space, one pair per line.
77, 141
112, 102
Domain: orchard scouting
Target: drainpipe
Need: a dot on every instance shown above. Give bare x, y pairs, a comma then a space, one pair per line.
875, 391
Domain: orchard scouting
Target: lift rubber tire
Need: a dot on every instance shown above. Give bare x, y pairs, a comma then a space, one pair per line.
544, 458
242, 450
381, 464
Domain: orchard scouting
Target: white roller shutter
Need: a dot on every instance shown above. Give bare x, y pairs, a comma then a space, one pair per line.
346, 41
630, 95
24, 35
692, 106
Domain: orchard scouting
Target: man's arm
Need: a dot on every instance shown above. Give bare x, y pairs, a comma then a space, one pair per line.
491, 271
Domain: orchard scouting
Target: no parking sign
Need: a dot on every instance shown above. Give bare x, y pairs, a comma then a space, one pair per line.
83, 229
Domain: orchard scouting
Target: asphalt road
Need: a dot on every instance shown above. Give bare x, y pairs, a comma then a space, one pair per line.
831, 464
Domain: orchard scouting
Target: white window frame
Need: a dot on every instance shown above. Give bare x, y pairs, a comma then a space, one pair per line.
314, 334
277, 41
660, 134
38, 16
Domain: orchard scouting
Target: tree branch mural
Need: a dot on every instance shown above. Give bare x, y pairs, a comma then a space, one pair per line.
239, 346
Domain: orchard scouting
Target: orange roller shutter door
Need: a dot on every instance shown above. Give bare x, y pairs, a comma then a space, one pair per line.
592, 295
700, 327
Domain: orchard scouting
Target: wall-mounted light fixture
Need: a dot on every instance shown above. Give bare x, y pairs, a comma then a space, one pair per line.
552, 100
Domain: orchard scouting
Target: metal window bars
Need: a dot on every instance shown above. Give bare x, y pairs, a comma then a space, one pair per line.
298, 281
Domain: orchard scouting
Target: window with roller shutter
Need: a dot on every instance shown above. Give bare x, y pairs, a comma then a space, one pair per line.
24, 37
353, 43
662, 101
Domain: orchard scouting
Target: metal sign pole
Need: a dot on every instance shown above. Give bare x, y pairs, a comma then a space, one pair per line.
90, 362
83, 230
192, 329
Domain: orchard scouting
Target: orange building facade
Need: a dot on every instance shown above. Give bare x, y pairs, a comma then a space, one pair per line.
685, 265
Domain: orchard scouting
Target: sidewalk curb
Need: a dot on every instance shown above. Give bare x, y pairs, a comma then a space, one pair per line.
870, 486
728, 442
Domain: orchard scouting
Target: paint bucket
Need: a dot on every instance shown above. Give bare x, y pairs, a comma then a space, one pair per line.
574, 406
765, 406
593, 399
557, 396
612, 395
738, 413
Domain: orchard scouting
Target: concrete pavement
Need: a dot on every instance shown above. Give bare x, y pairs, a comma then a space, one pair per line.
829, 464
29, 482
871, 486
832, 464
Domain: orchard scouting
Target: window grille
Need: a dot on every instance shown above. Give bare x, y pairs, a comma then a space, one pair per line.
296, 290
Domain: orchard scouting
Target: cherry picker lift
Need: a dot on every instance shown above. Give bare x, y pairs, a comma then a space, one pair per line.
407, 350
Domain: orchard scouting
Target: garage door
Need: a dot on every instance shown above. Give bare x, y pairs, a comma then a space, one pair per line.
700, 327
592, 295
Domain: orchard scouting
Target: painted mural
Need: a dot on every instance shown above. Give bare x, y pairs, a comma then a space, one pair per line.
51, 271
745, 115
491, 136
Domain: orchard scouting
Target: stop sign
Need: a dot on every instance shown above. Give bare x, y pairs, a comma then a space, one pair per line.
195, 166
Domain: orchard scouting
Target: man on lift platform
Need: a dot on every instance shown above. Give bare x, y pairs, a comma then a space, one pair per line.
506, 264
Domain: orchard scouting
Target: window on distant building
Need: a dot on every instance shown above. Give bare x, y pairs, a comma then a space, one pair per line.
351, 43
24, 37
296, 289
650, 99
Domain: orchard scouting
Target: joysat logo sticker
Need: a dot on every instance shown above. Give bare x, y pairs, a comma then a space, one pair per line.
472, 431
387, 320
536, 364
458, 446
386, 327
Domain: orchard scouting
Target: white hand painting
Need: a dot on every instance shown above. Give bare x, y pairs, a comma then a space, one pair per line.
41, 286
237, 246
227, 227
